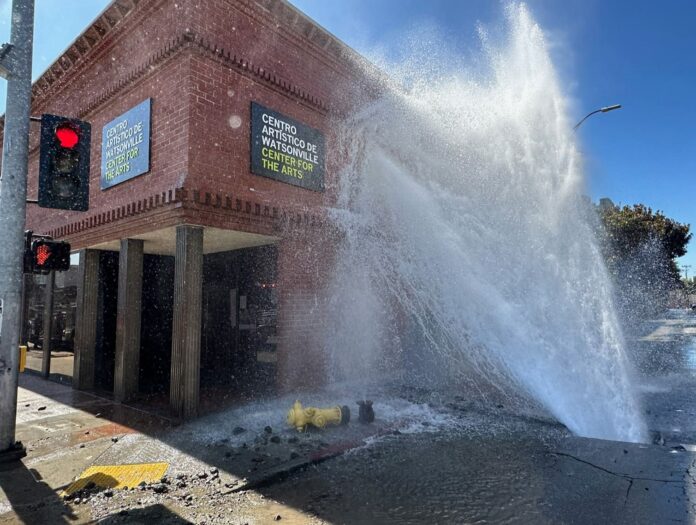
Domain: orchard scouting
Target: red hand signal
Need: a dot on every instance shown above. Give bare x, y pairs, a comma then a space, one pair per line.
43, 253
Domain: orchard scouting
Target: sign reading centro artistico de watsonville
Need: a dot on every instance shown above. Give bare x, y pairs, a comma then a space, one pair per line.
285, 149
126, 146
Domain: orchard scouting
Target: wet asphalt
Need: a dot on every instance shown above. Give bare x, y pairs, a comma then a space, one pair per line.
449, 478
664, 354
528, 471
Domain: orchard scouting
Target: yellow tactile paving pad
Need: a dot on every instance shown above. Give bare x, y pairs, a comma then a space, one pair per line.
119, 476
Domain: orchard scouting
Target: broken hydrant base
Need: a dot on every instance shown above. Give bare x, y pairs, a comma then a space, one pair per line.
300, 418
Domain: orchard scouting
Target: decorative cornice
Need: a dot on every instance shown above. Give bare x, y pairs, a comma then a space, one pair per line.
82, 48
168, 50
87, 47
218, 53
165, 199
222, 55
277, 218
298, 28
292, 25
245, 66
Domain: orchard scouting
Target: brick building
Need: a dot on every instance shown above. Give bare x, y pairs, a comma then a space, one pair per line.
203, 270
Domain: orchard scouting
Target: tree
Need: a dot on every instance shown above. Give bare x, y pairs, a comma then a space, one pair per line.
640, 248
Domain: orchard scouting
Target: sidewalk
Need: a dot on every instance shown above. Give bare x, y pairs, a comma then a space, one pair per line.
210, 463
440, 456
64, 432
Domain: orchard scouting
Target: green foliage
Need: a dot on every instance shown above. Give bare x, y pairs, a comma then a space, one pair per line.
627, 230
640, 247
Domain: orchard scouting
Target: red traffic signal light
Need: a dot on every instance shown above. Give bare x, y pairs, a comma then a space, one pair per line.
64, 163
47, 255
67, 135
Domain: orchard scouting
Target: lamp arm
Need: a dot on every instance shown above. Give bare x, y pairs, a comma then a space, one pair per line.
585, 118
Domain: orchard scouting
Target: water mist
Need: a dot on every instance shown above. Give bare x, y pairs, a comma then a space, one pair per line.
468, 254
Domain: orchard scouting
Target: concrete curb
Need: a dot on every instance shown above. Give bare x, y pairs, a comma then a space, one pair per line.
284, 470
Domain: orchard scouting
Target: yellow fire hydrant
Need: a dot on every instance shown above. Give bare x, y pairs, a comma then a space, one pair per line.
299, 417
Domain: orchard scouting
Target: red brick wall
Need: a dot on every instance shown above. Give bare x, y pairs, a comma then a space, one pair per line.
220, 162
273, 35
304, 270
121, 70
220, 154
169, 145
202, 63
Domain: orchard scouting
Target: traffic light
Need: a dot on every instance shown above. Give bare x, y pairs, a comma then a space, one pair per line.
64, 163
47, 255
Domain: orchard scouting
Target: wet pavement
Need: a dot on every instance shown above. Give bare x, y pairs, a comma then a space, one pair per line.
463, 478
522, 470
665, 358
426, 459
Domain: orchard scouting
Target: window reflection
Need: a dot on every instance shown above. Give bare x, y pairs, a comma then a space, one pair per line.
61, 331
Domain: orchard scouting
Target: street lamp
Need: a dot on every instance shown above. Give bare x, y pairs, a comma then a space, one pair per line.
600, 110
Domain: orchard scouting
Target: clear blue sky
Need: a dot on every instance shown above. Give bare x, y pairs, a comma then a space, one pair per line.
638, 53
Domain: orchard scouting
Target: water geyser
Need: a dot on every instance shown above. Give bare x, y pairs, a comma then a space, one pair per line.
467, 249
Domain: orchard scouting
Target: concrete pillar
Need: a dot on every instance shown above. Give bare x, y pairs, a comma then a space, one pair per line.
47, 324
129, 306
186, 329
86, 320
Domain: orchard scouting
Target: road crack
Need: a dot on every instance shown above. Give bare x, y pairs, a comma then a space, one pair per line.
628, 490
617, 474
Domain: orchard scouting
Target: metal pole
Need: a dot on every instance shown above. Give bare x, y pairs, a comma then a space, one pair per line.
13, 193
23, 310
48, 324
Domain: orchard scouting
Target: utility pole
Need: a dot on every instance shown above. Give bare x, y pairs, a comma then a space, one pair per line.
686, 267
15, 66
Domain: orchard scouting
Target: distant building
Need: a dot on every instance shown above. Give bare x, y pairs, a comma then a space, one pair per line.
212, 164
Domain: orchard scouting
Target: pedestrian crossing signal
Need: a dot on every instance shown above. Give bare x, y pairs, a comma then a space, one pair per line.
48, 255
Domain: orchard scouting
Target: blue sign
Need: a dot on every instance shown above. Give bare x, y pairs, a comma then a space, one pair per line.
126, 146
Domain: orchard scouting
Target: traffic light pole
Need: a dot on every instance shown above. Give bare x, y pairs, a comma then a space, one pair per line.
15, 66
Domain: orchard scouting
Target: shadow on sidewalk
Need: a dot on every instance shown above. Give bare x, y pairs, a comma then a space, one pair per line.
32, 500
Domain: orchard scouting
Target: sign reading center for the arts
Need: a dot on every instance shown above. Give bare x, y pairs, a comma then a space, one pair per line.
285, 149
126, 146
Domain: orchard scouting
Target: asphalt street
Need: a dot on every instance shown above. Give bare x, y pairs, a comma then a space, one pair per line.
526, 471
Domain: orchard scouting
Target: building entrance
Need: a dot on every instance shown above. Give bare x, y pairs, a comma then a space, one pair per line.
240, 302
105, 343
238, 325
